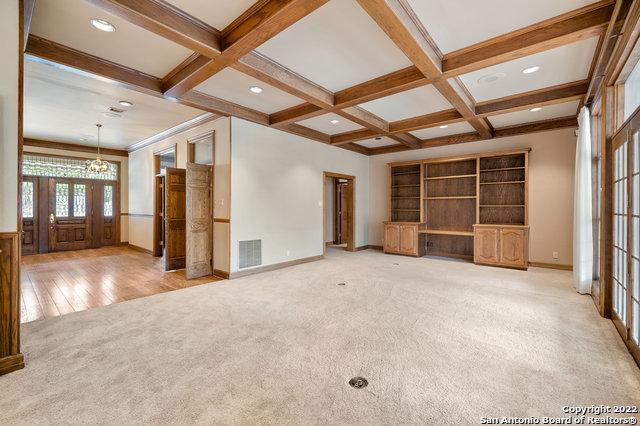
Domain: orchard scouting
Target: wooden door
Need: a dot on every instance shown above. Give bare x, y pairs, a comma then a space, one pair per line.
391, 238
104, 216
486, 245
341, 218
348, 235
408, 239
175, 202
69, 214
199, 252
512, 247
158, 216
30, 241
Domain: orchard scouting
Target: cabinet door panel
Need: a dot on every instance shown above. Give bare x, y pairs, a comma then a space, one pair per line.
391, 238
512, 247
408, 239
486, 245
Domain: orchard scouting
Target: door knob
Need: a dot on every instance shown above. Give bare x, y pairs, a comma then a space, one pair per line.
52, 218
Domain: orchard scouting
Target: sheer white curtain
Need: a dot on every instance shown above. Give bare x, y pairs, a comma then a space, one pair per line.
582, 208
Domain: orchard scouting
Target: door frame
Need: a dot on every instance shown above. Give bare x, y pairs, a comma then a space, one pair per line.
351, 238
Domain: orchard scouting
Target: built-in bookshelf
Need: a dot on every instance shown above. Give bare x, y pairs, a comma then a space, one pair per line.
446, 197
405, 193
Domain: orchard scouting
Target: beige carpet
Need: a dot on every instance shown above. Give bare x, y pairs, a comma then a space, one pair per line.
441, 342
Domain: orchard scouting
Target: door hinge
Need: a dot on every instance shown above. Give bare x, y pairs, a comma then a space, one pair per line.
161, 214
161, 243
161, 186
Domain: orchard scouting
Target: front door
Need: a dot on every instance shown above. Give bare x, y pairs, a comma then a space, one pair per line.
70, 206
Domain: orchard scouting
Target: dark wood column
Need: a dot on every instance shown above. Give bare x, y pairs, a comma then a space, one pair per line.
10, 357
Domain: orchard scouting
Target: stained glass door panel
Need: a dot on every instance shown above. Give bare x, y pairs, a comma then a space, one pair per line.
29, 215
69, 222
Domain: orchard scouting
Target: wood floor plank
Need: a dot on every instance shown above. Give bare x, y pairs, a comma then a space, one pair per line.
54, 284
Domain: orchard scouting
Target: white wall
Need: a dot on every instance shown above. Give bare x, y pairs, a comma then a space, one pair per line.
141, 181
9, 71
277, 185
124, 179
551, 173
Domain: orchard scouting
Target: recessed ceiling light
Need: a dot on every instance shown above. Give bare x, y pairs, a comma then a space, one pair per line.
126, 103
530, 70
103, 25
490, 78
334, 121
255, 89
444, 126
536, 109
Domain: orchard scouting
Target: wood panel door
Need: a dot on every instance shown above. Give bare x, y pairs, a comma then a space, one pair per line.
199, 252
70, 206
104, 214
341, 219
391, 238
486, 245
30, 241
348, 202
513, 244
175, 200
408, 239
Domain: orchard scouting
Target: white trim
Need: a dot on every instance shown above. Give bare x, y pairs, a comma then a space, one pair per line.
182, 127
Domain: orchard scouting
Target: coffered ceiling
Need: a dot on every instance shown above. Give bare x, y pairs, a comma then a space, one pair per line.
369, 76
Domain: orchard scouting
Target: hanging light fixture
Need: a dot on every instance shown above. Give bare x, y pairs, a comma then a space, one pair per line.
98, 165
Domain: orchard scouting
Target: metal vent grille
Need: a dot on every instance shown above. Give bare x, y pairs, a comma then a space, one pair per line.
250, 253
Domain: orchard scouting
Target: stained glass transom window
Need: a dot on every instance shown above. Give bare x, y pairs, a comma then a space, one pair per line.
62, 199
79, 200
108, 200
39, 165
27, 199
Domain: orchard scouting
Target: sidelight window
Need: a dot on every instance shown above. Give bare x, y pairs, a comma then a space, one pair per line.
79, 200
27, 200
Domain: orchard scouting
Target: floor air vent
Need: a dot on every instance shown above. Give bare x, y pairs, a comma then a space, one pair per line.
250, 253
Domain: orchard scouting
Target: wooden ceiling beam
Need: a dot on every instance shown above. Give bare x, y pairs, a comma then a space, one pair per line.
521, 129
547, 96
28, 7
265, 21
73, 147
570, 27
46, 51
439, 118
398, 21
163, 19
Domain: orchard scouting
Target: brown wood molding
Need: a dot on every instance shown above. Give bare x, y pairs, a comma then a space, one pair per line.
221, 274
582, 23
136, 214
10, 357
221, 220
140, 249
428, 120
166, 21
551, 266
73, 147
368, 247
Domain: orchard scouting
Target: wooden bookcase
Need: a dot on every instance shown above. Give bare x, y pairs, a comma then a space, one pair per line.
447, 200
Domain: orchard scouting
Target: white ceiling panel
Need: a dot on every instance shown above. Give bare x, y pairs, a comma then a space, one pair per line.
412, 103
233, 86
322, 123
526, 116
451, 129
62, 106
461, 23
336, 46
377, 143
217, 13
557, 66
68, 22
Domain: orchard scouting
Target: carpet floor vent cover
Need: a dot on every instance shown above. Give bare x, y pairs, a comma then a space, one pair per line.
358, 382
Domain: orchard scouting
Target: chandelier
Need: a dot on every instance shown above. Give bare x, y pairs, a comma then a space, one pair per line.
98, 165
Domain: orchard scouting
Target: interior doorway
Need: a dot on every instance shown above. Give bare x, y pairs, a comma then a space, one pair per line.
339, 210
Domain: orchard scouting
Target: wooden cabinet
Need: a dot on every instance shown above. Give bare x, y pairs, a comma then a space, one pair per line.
403, 238
502, 245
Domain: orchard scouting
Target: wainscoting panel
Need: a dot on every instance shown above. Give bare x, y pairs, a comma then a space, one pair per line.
10, 357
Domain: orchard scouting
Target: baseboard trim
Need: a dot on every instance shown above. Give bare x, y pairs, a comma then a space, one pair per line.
551, 266
274, 267
140, 249
11, 363
369, 246
221, 274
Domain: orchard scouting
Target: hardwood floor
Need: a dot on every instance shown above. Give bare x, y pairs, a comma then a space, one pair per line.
55, 284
